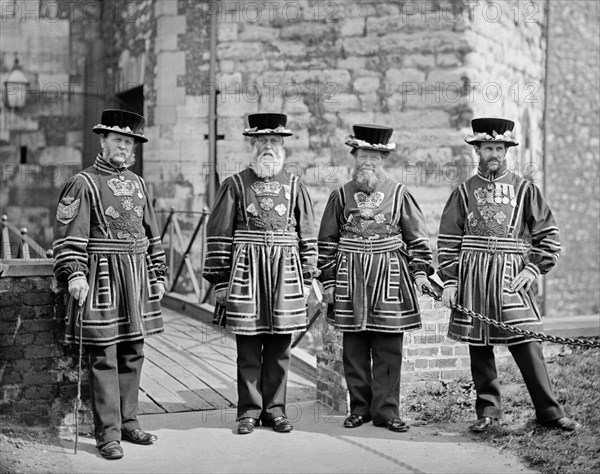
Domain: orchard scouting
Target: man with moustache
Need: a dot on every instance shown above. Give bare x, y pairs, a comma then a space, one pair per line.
107, 245
261, 257
497, 234
373, 250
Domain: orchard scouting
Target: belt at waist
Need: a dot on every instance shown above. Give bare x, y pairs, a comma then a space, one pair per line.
494, 244
371, 246
117, 246
268, 239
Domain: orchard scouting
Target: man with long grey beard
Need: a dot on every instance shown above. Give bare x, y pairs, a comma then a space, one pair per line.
261, 257
373, 251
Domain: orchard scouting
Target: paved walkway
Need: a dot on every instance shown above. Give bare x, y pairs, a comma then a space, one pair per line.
205, 442
193, 364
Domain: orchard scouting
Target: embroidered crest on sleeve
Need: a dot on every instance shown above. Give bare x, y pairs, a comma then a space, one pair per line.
67, 209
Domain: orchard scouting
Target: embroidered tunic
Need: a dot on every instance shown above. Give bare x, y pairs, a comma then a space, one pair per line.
490, 230
371, 246
106, 231
262, 246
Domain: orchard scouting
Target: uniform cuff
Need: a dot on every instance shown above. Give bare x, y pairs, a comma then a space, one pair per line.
533, 269
450, 284
77, 276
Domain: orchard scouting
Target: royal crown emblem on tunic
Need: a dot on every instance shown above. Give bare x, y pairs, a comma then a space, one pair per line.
266, 188
368, 201
121, 188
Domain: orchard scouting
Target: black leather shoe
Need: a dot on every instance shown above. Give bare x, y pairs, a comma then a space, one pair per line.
279, 424
564, 423
111, 450
354, 421
397, 425
482, 424
246, 425
138, 437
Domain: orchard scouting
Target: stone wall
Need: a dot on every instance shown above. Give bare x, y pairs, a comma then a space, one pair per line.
40, 145
572, 149
38, 373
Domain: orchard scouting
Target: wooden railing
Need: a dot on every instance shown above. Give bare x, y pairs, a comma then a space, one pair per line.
16, 244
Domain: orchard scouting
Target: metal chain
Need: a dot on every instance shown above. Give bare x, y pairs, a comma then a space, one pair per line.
523, 332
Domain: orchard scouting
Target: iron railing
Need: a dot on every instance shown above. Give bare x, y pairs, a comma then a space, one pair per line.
172, 228
16, 244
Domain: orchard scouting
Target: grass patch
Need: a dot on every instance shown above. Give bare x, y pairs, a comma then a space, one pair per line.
576, 380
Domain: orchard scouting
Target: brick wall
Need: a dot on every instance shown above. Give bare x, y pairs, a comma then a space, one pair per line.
38, 373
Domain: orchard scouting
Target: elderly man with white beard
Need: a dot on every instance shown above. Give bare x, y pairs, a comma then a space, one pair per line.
261, 257
373, 250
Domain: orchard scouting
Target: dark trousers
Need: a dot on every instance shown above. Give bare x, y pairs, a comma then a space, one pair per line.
372, 364
115, 372
530, 360
262, 369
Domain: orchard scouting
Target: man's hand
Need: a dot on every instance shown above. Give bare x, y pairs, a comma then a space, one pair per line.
329, 295
523, 280
421, 282
449, 296
78, 289
161, 290
221, 296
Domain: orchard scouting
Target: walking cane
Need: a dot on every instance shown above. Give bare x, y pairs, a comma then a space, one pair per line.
79, 318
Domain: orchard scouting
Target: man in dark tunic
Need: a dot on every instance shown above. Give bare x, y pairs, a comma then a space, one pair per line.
497, 234
261, 257
373, 249
108, 252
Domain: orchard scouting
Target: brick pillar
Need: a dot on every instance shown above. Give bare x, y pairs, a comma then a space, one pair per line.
38, 373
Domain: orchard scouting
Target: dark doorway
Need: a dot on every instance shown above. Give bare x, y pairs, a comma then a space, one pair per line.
133, 101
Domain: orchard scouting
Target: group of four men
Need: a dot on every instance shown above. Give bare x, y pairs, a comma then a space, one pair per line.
372, 255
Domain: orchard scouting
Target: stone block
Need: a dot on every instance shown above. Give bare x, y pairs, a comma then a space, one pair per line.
171, 25
163, 8
379, 26
418, 61
353, 27
307, 32
352, 63
366, 84
236, 105
189, 128
403, 80
194, 107
166, 42
365, 47
257, 33
240, 50
165, 115
448, 60
227, 32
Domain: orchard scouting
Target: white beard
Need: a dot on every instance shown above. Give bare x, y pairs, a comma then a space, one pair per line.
267, 166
